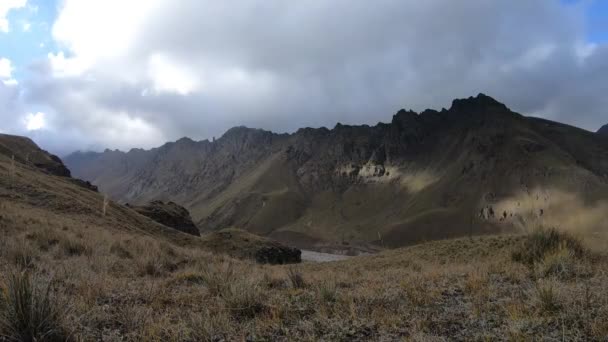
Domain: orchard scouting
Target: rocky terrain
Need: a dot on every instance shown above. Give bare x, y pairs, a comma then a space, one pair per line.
475, 168
168, 214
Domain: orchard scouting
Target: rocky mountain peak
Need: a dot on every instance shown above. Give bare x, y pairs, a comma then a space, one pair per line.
477, 104
403, 117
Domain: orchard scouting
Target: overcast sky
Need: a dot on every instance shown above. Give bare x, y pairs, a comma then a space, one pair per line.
91, 74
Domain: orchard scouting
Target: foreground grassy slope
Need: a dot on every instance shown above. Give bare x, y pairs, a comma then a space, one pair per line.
119, 286
68, 272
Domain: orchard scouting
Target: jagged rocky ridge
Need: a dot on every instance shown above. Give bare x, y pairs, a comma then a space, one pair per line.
436, 174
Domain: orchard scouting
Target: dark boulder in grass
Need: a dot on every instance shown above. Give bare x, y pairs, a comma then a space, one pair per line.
278, 255
169, 214
241, 244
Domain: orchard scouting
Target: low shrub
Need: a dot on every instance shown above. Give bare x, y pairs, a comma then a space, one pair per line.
543, 242
296, 278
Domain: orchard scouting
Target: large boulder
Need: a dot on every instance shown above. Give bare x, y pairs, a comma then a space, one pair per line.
169, 214
241, 244
278, 255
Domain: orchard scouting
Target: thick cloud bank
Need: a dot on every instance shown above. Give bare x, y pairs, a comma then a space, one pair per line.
138, 73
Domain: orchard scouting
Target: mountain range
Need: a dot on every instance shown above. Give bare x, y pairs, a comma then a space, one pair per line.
475, 168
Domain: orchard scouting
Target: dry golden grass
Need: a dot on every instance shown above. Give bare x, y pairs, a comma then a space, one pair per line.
120, 277
124, 286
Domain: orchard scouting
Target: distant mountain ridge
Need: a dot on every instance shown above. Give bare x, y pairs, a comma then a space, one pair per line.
603, 130
474, 168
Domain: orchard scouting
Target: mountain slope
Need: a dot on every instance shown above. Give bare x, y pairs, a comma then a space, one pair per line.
603, 130
475, 168
25, 151
37, 192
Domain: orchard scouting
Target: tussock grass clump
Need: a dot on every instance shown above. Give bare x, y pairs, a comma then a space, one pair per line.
296, 278
544, 242
158, 260
328, 291
218, 276
244, 298
547, 296
241, 293
29, 311
45, 238
121, 249
21, 254
562, 264
74, 247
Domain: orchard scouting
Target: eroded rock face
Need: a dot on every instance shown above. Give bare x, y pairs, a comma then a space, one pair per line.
278, 255
169, 214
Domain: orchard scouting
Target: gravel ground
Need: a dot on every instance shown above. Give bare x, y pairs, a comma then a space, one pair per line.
321, 257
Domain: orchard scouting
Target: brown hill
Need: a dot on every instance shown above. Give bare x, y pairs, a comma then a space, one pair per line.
25, 151
36, 191
475, 168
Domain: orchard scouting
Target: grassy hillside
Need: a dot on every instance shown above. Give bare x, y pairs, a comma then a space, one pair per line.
119, 286
32, 198
69, 272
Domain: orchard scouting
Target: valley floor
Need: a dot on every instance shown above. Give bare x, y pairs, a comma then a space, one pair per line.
95, 285
313, 256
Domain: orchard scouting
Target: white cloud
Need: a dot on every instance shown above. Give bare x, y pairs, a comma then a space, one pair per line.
6, 72
34, 121
161, 69
6, 68
168, 76
64, 67
94, 30
26, 26
5, 7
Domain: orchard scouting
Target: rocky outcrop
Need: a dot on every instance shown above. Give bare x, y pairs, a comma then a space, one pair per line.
25, 151
169, 214
278, 255
241, 244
